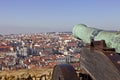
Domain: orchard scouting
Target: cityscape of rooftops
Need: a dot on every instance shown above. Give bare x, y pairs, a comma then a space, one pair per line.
37, 35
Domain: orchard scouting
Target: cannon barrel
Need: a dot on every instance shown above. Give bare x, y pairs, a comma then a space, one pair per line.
112, 38
98, 60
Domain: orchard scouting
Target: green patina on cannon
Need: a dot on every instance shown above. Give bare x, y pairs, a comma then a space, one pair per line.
112, 38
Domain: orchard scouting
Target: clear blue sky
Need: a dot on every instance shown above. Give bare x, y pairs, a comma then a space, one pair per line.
29, 16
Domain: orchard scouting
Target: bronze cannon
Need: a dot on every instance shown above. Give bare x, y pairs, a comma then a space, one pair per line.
112, 38
99, 59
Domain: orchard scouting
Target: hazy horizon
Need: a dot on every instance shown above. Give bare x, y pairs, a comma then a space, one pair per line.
28, 16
